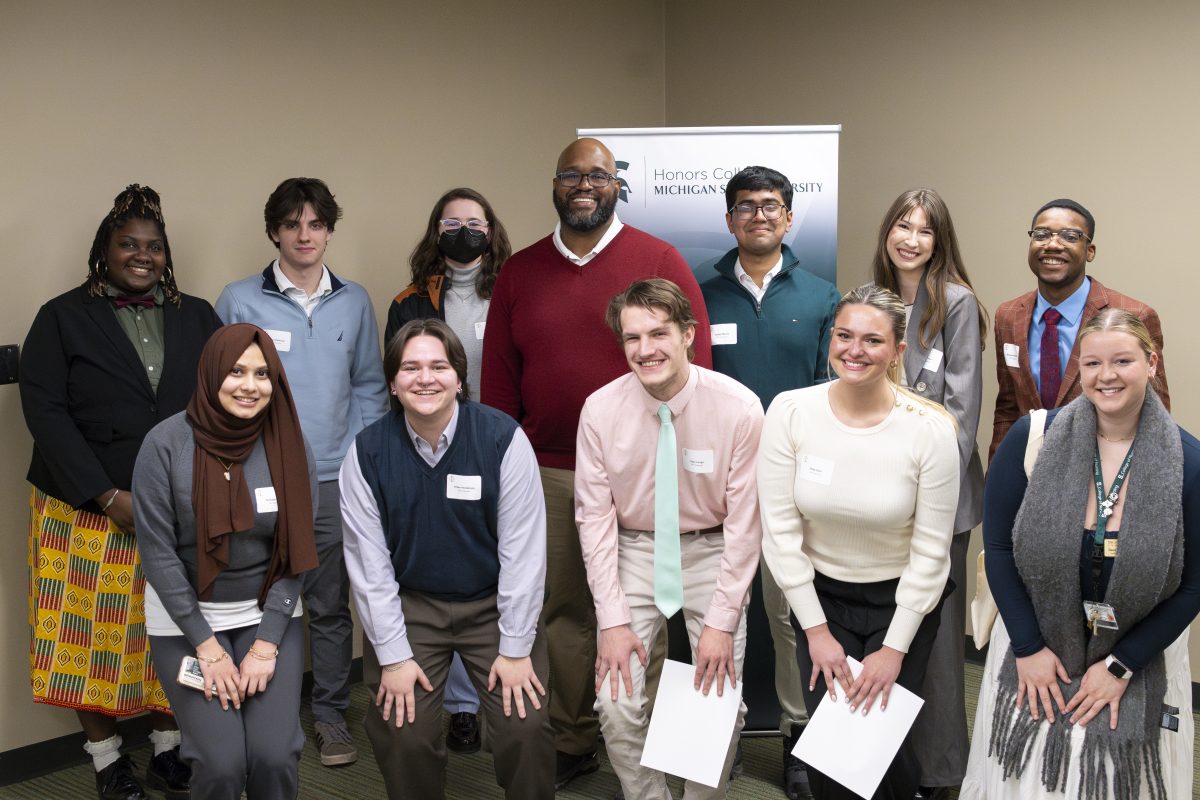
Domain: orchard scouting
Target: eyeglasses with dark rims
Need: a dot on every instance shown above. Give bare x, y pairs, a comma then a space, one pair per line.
749, 210
597, 180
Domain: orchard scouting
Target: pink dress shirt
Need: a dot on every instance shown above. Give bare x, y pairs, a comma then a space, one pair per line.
717, 425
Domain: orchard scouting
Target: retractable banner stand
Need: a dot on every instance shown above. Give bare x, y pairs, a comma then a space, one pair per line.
673, 186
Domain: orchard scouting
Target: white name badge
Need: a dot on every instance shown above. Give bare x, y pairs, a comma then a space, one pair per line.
700, 461
264, 499
934, 362
464, 487
479, 329
816, 470
282, 339
725, 333
1011, 353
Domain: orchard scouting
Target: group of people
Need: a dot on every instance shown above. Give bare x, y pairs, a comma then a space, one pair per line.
202, 478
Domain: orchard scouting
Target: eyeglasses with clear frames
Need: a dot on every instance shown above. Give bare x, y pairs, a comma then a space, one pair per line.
1066, 235
571, 178
749, 210
451, 225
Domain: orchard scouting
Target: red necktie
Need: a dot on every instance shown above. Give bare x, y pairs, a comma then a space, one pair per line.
123, 300
1051, 369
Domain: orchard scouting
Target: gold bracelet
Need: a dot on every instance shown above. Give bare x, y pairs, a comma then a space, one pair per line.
223, 655
264, 656
396, 666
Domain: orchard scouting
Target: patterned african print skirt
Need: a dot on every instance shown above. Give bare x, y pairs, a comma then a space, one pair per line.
87, 615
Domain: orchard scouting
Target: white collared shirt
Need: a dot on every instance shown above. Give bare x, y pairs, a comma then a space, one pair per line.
303, 299
579, 261
748, 282
429, 452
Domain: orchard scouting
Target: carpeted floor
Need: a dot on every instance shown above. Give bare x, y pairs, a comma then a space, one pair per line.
468, 777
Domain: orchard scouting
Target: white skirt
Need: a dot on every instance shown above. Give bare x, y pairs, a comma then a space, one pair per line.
984, 779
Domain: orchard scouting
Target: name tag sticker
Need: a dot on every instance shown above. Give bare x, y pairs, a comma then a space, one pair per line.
725, 333
1011, 351
934, 362
264, 499
700, 461
479, 329
816, 470
282, 339
464, 487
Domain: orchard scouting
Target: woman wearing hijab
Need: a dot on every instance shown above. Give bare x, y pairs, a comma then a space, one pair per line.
1094, 561
224, 507
102, 365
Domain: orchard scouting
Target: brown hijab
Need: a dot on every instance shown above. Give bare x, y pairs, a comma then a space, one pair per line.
220, 498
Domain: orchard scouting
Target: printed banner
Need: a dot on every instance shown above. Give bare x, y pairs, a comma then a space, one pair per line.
673, 186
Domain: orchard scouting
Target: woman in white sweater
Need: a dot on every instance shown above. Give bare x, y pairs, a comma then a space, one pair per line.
858, 483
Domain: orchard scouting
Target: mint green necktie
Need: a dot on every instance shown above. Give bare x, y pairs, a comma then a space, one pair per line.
668, 574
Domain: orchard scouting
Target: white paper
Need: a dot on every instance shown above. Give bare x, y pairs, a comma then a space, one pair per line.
689, 733
933, 361
464, 487
700, 461
817, 470
282, 339
264, 499
725, 333
1011, 354
479, 326
852, 749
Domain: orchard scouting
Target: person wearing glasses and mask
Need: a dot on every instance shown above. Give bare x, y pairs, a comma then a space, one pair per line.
1030, 373
548, 348
454, 269
771, 323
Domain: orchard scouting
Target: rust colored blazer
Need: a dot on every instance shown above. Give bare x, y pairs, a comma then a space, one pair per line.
1018, 393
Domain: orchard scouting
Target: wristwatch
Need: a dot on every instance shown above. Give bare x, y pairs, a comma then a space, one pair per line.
1117, 669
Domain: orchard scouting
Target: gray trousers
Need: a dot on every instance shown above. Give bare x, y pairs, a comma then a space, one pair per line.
939, 736
256, 748
326, 594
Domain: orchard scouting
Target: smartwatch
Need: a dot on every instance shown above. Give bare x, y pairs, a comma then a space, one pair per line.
1117, 669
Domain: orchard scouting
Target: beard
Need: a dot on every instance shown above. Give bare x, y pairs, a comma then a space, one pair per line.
585, 221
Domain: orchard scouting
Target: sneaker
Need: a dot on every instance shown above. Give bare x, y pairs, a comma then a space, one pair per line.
568, 767
335, 744
795, 774
116, 782
463, 734
167, 773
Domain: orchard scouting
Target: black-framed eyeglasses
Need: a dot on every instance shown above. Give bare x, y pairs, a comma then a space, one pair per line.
749, 210
1066, 235
570, 178
451, 225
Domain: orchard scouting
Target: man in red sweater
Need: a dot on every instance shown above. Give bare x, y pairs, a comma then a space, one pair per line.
546, 348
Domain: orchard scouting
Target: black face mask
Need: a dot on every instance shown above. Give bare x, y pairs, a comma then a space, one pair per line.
463, 245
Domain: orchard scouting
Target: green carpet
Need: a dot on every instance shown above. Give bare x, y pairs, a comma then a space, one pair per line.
468, 777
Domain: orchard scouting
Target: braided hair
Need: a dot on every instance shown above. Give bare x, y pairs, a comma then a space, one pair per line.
136, 202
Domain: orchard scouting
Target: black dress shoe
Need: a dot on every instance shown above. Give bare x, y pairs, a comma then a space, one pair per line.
463, 735
116, 782
167, 773
795, 774
568, 767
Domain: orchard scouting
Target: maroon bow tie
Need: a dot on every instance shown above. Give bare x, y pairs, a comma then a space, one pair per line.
145, 301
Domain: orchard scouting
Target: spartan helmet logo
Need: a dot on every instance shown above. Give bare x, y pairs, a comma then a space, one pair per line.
624, 184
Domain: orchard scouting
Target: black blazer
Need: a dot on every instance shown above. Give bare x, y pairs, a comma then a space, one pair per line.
86, 397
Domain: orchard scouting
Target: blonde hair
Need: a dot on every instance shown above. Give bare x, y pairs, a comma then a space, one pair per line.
1122, 321
890, 304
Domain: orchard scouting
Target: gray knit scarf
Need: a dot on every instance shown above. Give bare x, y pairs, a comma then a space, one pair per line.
1046, 543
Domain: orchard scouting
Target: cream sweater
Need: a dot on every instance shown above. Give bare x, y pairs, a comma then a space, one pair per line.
858, 504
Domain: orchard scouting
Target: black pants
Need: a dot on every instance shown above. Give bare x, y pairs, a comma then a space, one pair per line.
858, 615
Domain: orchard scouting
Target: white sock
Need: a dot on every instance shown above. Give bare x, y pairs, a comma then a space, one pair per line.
105, 752
165, 740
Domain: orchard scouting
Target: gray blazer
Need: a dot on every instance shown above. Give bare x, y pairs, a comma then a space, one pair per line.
955, 381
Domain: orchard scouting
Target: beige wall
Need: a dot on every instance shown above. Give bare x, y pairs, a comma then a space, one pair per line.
1000, 107
213, 104
392, 103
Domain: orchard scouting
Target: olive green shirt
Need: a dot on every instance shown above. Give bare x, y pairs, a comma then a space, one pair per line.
144, 327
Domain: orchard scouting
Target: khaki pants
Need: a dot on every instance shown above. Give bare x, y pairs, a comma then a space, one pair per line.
626, 720
789, 683
412, 758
